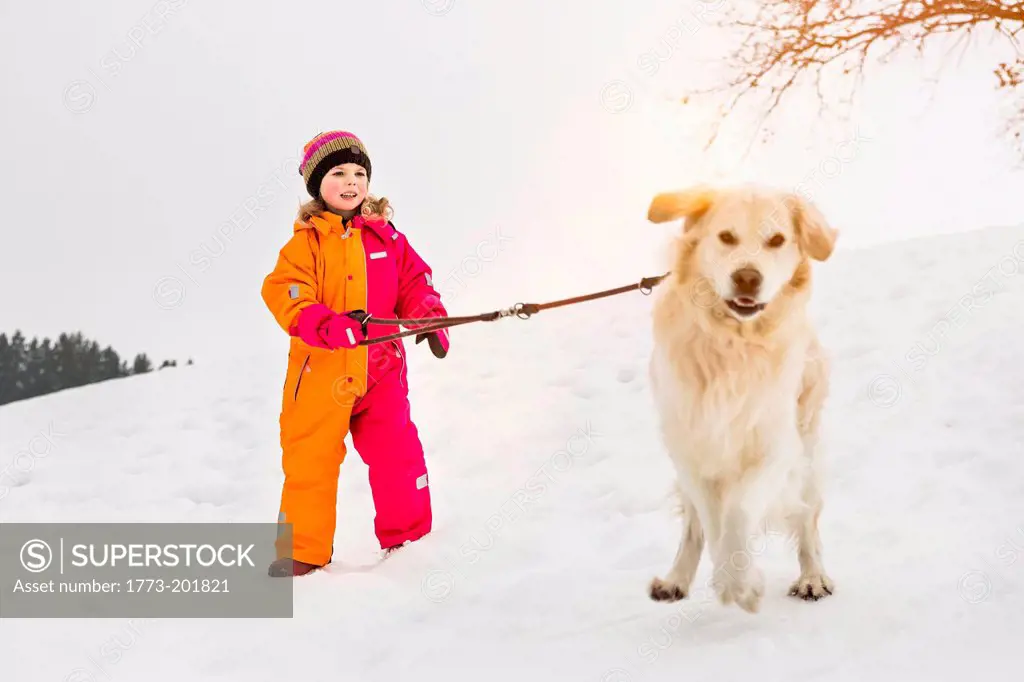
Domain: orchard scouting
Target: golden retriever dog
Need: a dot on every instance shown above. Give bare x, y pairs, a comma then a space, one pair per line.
739, 380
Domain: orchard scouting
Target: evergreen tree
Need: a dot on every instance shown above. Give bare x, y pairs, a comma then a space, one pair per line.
7, 370
20, 365
142, 364
91, 362
33, 369
48, 379
68, 371
110, 365
40, 367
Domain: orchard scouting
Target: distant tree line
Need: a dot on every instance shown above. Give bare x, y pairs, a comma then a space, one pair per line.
29, 369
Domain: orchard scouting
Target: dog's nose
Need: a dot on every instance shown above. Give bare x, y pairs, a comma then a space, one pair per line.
747, 281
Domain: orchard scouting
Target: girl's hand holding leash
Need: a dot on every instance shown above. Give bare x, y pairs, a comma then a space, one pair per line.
322, 327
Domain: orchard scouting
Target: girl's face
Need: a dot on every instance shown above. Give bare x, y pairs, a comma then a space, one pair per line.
344, 188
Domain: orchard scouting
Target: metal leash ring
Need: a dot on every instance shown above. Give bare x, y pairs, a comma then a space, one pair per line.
520, 310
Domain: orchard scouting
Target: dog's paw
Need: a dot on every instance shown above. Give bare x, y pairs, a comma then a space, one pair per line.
662, 590
745, 592
812, 587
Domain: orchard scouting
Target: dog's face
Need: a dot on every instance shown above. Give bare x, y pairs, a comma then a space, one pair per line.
744, 245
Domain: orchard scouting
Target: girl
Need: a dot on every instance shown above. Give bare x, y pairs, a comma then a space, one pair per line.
345, 258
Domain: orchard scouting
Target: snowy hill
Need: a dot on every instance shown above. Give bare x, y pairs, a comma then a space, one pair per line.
552, 506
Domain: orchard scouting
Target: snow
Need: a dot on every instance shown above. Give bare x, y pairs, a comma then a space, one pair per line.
553, 507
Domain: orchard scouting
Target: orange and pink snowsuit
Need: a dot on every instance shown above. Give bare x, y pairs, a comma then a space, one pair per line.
349, 265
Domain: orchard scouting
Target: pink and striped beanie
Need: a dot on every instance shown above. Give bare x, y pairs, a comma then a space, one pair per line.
327, 150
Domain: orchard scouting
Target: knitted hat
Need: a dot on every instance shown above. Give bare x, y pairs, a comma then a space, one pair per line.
327, 150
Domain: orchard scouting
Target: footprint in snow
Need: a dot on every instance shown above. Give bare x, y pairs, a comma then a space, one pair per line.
585, 392
902, 291
16, 478
626, 375
857, 351
190, 424
135, 469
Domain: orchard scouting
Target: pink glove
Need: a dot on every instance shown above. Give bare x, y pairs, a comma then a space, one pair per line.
320, 326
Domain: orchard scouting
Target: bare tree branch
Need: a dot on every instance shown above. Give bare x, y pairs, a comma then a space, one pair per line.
785, 41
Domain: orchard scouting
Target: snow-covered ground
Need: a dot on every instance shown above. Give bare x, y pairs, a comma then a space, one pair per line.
552, 504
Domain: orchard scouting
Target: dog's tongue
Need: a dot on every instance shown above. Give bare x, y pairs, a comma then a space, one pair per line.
746, 301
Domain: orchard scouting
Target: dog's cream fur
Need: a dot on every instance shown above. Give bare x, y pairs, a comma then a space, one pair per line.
739, 397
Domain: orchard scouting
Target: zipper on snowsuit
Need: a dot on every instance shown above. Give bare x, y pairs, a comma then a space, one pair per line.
401, 370
302, 370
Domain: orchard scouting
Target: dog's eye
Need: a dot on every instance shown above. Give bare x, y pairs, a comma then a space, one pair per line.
776, 241
727, 238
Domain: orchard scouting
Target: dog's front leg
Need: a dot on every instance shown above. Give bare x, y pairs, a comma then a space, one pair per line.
736, 577
676, 585
745, 502
813, 583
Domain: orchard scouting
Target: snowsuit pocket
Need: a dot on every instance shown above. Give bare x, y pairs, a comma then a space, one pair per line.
298, 379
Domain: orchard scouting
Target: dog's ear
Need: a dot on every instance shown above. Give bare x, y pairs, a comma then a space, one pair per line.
688, 203
816, 237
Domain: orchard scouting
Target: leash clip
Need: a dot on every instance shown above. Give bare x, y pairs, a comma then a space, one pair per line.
647, 284
507, 312
362, 317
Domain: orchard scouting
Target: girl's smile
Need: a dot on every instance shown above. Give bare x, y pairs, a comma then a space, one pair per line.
344, 187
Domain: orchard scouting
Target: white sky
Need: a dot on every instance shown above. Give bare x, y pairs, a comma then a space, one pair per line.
530, 120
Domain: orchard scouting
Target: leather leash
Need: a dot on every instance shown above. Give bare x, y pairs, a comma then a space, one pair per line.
521, 310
